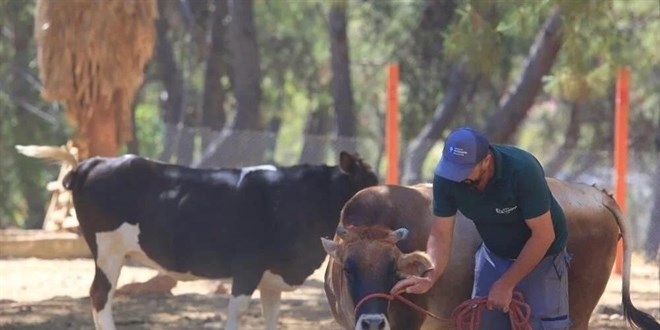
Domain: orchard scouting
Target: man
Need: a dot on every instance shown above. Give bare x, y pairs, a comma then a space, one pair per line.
503, 190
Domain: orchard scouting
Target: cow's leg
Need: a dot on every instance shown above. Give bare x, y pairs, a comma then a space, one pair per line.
270, 306
108, 266
246, 278
271, 287
238, 305
111, 250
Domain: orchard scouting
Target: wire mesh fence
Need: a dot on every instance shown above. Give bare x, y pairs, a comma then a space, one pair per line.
593, 167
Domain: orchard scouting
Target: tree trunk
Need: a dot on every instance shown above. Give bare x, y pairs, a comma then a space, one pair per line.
186, 145
245, 143
423, 67
278, 76
436, 16
426, 71
170, 76
272, 132
103, 128
246, 64
419, 148
193, 11
342, 92
570, 141
515, 105
213, 110
317, 131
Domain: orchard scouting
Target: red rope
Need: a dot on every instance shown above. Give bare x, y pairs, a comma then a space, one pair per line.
400, 298
467, 315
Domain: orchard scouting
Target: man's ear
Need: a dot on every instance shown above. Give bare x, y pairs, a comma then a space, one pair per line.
415, 263
331, 247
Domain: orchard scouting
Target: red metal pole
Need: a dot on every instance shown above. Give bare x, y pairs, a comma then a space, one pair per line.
392, 124
621, 149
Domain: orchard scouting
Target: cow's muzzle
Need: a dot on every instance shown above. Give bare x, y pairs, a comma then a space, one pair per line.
372, 322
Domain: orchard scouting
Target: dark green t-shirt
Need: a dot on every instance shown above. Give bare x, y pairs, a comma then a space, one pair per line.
517, 191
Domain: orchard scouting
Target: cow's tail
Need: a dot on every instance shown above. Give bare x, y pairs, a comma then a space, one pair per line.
61, 154
636, 318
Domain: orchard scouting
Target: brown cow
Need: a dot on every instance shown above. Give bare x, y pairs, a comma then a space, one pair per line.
371, 252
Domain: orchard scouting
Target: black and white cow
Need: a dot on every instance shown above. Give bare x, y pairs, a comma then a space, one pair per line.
193, 223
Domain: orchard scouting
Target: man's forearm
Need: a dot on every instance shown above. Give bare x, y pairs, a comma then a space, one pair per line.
529, 257
438, 248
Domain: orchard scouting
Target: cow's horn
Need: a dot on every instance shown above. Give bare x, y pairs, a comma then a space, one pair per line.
400, 234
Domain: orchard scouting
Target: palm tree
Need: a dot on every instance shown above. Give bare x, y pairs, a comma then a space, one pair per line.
91, 56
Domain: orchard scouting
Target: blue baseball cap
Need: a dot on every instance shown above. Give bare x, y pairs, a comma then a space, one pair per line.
464, 148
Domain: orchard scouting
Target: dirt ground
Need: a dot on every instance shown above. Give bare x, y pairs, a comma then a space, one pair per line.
52, 294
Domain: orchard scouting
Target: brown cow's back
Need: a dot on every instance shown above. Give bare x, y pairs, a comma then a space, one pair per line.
393, 207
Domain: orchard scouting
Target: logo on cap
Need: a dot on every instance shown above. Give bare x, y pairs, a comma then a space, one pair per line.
457, 151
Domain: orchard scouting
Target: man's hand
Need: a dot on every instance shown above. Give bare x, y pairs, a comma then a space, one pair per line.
412, 284
437, 246
499, 296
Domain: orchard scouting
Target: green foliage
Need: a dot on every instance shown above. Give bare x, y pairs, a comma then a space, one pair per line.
487, 32
409, 33
12, 206
150, 130
384, 32
484, 44
295, 80
599, 37
24, 119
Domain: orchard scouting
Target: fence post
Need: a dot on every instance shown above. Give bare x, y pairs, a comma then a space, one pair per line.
392, 124
621, 150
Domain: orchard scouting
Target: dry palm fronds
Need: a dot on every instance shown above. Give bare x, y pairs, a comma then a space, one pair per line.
92, 54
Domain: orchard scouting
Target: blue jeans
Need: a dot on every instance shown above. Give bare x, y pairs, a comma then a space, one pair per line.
545, 290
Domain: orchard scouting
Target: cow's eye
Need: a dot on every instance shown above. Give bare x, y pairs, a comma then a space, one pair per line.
350, 269
348, 272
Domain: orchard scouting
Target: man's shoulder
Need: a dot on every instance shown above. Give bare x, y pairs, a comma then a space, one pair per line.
439, 181
519, 163
513, 151
515, 156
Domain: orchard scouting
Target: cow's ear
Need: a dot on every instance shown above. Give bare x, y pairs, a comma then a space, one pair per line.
399, 234
331, 247
347, 162
414, 263
341, 231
